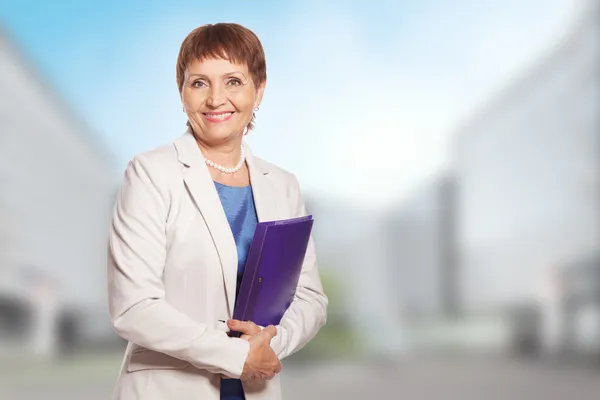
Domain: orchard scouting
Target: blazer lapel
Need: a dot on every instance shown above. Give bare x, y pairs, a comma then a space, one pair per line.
262, 188
201, 187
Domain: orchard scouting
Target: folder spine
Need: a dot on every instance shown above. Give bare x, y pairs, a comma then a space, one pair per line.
252, 264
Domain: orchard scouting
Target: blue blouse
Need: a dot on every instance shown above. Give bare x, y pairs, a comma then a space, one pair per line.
238, 204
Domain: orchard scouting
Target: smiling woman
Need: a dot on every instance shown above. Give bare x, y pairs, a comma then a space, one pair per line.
221, 76
183, 222
233, 56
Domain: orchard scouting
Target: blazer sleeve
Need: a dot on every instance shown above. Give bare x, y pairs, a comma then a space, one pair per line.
308, 311
136, 294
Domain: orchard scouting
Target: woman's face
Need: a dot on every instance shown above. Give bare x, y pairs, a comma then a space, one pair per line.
219, 98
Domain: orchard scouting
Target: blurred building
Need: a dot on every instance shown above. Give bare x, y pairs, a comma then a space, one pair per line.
528, 173
57, 187
421, 257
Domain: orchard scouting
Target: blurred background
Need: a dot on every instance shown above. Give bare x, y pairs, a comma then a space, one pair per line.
449, 151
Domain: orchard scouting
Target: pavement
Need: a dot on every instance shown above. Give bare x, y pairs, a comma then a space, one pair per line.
421, 378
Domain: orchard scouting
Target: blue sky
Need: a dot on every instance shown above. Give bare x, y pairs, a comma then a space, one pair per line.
362, 96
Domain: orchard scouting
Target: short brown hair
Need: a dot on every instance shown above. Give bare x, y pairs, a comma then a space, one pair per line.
229, 41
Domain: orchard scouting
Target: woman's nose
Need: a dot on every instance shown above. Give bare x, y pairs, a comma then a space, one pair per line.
216, 97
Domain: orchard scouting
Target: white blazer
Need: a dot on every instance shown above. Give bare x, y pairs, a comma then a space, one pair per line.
172, 274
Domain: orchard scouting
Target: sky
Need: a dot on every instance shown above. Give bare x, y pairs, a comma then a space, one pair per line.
363, 98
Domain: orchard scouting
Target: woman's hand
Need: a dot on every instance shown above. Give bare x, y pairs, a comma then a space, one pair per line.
262, 363
246, 328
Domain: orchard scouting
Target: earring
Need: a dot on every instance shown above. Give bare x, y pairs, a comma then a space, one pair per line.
256, 108
183, 109
245, 131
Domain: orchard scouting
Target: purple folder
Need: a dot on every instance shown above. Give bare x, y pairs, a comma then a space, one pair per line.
272, 270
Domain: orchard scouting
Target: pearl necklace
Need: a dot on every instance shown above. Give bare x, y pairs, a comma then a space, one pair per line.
228, 170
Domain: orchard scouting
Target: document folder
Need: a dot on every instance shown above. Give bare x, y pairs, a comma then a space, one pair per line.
272, 270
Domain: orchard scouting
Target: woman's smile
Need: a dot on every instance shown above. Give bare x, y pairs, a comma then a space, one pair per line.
218, 116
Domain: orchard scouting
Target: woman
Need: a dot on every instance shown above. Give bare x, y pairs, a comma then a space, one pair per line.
181, 228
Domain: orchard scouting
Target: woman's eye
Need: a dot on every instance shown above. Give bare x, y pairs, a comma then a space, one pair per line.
198, 84
234, 82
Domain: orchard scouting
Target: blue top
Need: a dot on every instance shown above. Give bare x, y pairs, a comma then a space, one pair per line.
238, 204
